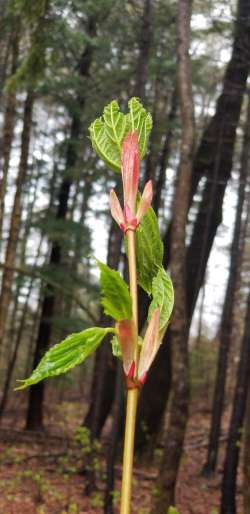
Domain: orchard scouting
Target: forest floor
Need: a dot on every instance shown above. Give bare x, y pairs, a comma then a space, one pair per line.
41, 473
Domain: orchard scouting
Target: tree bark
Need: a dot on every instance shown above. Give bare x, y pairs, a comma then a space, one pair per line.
34, 419
179, 326
229, 482
246, 463
113, 442
15, 222
144, 43
227, 320
9, 121
17, 342
164, 155
6, 40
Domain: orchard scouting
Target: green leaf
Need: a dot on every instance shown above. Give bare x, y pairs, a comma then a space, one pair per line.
149, 250
163, 297
67, 354
108, 131
139, 120
116, 299
172, 510
106, 134
116, 347
115, 123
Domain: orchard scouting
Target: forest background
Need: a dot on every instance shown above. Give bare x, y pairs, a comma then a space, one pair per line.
61, 62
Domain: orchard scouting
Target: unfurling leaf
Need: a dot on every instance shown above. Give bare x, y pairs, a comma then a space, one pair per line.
127, 340
150, 345
149, 250
139, 120
66, 355
106, 135
108, 131
159, 313
163, 297
116, 299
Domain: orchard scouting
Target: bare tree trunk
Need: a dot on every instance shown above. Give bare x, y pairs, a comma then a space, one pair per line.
17, 341
145, 43
179, 327
228, 500
113, 442
9, 122
246, 463
15, 222
164, 155
228, 309
6, 39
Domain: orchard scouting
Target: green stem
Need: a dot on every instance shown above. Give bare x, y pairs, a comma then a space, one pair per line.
132, 395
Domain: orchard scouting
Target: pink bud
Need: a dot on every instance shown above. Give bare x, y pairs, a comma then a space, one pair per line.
131, 220
150, 345
116, 209
145, 201
130, 159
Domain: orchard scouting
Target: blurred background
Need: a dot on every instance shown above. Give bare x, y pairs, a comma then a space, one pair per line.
61, 62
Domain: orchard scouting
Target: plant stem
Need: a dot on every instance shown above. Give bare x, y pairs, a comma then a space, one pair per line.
128, 452
132, 395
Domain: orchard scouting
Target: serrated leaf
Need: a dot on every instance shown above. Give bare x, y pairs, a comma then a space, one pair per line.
116, 299
163, 297
108, 131
149, 250
139, 120
115, 123
105, 144
66, 355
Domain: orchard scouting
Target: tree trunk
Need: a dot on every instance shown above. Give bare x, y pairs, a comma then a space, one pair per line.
179, 326
9, 122
6, 39
113, 442
228, 500
145, 42
17, 341
228, 309
35, 405
246, 463
164, 155
15, 222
